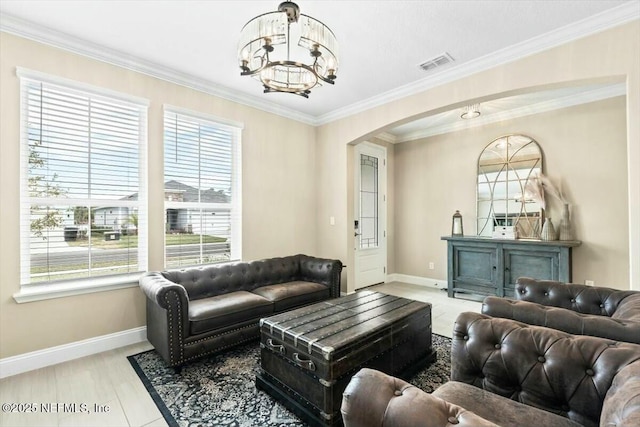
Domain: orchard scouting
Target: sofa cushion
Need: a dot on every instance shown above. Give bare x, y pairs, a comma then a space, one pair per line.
293, 294
500, 410
235, 307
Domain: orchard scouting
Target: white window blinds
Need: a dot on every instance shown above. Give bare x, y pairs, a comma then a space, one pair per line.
83, 202
202, 189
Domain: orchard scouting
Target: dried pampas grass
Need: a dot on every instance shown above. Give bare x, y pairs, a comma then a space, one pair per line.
537, 185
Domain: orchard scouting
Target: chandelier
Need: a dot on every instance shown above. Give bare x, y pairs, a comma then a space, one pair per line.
288, 58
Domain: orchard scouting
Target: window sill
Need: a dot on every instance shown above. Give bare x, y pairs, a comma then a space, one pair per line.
31, 293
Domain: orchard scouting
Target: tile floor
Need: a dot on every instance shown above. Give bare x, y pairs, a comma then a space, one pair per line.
107, 381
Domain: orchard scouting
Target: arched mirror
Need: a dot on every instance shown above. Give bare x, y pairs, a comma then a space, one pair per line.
504, 167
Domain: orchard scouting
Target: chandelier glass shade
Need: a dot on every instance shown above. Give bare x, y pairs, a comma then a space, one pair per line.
287, 51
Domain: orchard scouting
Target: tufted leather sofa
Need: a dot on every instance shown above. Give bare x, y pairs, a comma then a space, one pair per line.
202, 310
573, 308
507, 373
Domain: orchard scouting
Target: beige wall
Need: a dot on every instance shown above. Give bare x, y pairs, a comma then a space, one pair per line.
572, 63
279, 181
585, 150
295, 177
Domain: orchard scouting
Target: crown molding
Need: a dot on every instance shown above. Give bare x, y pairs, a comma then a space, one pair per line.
20, 27
387, 137
605, 20
528, 110
608, 19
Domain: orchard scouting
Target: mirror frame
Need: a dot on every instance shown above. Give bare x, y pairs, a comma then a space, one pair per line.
504, 167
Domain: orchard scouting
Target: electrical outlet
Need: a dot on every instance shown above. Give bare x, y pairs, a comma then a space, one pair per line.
589, 282
431, 266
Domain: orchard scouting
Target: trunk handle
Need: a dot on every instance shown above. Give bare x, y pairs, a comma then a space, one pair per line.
278, 347
308, 364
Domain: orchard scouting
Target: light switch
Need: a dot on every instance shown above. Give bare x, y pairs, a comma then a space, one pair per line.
332, 220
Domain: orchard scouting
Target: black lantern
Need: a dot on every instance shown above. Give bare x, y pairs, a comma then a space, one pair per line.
456, 225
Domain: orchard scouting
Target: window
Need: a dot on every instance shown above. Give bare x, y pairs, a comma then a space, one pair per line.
83, 202
201, 188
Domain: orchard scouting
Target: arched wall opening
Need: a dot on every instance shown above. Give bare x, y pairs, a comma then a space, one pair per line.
569, 64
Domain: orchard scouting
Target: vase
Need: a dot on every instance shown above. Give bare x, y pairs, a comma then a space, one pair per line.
565, 229
548, 231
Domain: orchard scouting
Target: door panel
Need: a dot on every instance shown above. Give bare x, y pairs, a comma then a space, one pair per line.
541, 265
370, 215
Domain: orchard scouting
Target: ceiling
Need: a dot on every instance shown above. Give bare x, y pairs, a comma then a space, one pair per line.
381, 42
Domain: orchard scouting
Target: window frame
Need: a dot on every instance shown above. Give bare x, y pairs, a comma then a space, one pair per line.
66, 287
235, 128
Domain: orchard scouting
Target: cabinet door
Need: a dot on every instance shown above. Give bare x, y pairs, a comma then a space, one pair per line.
474, 269
536, 263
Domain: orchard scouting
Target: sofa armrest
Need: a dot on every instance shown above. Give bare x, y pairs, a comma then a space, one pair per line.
167, 316
572, 296
155, 286
375, 399
622, 403
562, 319
321, 270
561, 373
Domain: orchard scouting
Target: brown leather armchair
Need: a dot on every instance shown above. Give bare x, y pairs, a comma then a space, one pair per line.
506, 373
573, 308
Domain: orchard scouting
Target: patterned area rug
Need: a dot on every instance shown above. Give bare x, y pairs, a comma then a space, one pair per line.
220, 390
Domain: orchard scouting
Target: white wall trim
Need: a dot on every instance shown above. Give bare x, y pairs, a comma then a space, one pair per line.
594, 24
417, 280
29, 30
62, 289
586, 97
613, 17
51, 356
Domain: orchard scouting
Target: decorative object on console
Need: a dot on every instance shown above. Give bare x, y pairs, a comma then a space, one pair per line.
566, 229
505, 232
536, 186
548, 230
456, 225
275, 52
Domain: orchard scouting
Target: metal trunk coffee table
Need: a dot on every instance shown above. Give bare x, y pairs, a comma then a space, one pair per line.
309, 355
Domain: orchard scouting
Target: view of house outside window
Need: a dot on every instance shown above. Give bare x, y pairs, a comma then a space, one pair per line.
201, 189
83, 155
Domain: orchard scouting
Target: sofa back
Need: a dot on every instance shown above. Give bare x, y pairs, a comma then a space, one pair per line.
576, 297
561, 373
217, 279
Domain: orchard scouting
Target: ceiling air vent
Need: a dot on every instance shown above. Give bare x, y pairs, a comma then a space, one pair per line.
438, 61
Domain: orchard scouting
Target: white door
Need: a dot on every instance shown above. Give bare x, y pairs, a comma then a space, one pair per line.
370, 236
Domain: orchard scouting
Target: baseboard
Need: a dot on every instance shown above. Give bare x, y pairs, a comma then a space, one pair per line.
417, 280
51, 356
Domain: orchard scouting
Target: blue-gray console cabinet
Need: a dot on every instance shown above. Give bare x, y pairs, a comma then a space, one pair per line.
485, 266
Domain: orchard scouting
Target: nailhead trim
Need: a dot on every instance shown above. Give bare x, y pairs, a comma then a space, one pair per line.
178, 306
